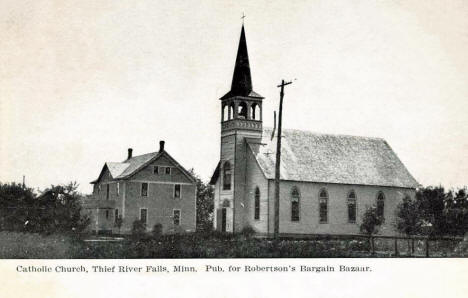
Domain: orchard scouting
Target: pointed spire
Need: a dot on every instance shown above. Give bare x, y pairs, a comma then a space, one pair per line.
241, 80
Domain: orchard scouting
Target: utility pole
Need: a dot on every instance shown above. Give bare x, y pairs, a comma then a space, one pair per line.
278, 159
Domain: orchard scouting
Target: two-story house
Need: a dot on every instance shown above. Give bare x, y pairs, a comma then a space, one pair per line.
153, 188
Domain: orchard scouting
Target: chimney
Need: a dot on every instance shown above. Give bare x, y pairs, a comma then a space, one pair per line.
130, 150
161, 146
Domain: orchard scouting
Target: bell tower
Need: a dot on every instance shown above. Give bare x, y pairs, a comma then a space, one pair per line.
241, 120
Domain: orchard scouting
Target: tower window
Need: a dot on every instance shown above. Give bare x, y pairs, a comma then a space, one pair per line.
242, 110
295, 200
227, 176
107, 191
231, 111
323, 206
255, 111
257, 204
380, 204
225, 113
351, 207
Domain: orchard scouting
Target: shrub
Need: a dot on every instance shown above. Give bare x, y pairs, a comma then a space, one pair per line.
157, 230
247, 231
138, 228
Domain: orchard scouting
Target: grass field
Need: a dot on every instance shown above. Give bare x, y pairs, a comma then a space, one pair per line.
34, 246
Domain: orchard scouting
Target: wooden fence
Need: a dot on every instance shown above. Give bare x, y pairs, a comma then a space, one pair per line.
418, 246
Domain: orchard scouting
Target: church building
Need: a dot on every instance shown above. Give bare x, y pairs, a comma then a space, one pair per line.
327, 181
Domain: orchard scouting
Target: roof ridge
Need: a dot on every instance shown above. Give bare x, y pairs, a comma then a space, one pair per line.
326, 134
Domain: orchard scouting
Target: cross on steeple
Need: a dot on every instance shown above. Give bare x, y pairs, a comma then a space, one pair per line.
243, 17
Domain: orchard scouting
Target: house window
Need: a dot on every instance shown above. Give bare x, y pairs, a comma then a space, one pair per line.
257, 204
143, 215
295, 198
227, 176
168, 170
107, 214
116, 214
352, 207
177, 191
144, 189
107, 191
380, 204
156, 170
323, 206
176, 216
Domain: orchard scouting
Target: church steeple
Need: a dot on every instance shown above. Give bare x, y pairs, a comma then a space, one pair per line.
241, 80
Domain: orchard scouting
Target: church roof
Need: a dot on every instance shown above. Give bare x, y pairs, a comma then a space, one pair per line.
241, 79
313, 157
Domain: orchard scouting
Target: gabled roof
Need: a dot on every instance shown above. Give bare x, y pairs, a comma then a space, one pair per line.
343, 159
129, 167
325, 158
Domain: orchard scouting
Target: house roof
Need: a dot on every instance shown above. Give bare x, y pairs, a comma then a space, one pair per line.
313, 157
129, 167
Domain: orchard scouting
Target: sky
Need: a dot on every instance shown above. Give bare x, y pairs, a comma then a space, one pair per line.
82, 81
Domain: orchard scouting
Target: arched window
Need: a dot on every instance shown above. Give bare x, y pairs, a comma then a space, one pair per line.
227, 176
323, 206
380, 204
231, 111
225, 113
295, 201
255, 112
352, 207
257, 204
242, 110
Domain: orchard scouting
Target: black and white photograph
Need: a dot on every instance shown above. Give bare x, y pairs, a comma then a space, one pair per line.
282, 131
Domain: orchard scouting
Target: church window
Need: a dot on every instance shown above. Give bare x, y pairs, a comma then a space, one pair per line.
176, 217
323, 206
380, 204
144, 189
242, 110
295, 198
118, 188
227, 176
177, 191
351, 207
257, 204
